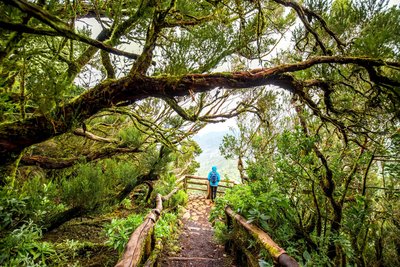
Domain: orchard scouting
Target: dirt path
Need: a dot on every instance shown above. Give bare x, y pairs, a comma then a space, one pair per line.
199, 248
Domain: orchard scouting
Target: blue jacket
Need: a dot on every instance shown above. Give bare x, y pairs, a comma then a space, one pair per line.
214, 169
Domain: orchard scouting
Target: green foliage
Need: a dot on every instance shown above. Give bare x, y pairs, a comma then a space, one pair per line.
87, 188
221, 232
120, 171
119, 231
262, 204
180, 198
12, 207
32, 202
95, 182
22, 247
229, 147
287, 197
126, 203
166, 226
43, 198
131, 137
295, 193
188, 150
165, 185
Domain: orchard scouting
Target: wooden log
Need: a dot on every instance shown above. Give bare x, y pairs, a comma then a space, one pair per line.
134, 250
206, 179
136, 247
286, 260
197, 183
197, 178
180, 180
185, 184
198, 189
274, 250
224, 186
167, 197
152, 260
159, 206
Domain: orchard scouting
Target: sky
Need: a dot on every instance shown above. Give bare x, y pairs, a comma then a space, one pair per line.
218, 127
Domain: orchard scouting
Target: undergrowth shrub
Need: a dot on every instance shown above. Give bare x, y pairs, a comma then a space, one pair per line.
261, 207
165, 185
165, 226
31, 201
131, 137
179, 198
22, 247
221, 232
166, 232
87, 188
42, 198
96, 182
119, 231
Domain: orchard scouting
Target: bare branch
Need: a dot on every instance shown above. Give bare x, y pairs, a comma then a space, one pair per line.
305, 15
81, 132
62, 28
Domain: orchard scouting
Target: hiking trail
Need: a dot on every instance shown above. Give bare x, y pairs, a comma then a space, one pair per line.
198, 245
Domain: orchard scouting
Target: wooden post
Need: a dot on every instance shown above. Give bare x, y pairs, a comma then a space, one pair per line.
185, 184
208, 191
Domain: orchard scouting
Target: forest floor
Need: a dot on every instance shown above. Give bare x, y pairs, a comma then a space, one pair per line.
197, 242
82, 242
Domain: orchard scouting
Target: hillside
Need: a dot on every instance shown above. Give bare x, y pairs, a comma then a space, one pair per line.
209, 143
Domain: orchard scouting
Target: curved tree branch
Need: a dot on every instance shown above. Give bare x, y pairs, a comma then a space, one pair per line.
61, 163
15, 136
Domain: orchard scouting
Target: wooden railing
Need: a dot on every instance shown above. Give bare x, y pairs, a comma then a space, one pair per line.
140, 247
278, 254
191, 181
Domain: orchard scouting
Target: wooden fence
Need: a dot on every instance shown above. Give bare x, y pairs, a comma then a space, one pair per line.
199, 183
141, 243
278, 254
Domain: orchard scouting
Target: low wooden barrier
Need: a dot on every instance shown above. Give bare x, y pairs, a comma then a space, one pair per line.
140, 243
203, 181
278, 254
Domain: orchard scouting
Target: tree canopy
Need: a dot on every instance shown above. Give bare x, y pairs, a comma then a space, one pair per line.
315, 86
335, 54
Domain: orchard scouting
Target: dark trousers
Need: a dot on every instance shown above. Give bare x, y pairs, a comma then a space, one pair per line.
213, 192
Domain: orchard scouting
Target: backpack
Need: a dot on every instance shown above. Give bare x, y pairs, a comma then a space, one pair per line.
213, 178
